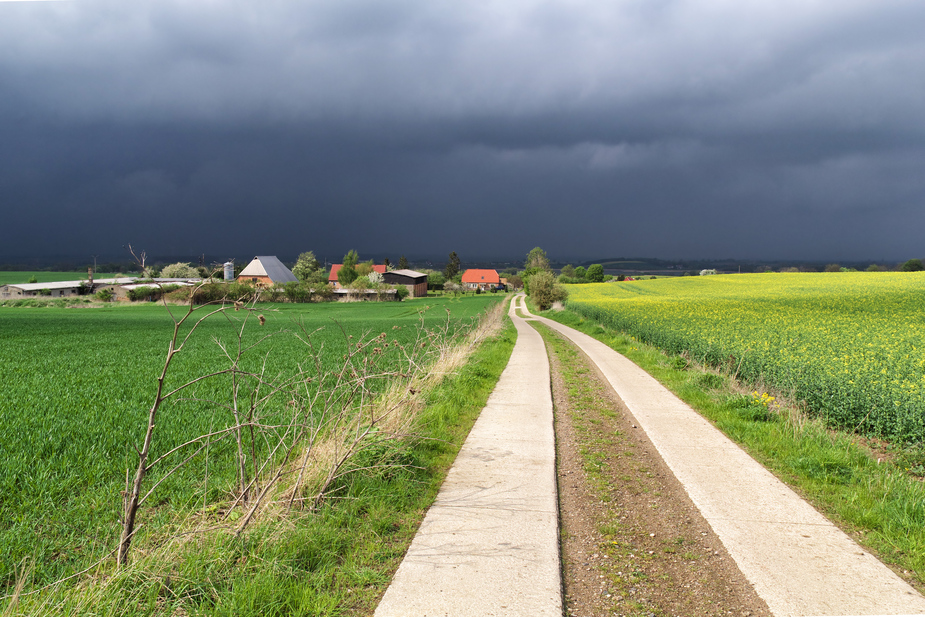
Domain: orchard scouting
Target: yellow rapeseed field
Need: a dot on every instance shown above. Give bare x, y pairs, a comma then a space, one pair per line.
851, 345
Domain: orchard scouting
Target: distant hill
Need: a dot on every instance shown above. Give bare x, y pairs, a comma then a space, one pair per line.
678, 267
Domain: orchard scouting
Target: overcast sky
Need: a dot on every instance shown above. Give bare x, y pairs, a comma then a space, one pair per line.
788, 129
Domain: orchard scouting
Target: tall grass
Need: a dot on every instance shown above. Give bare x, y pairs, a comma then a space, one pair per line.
335, 561
80, 384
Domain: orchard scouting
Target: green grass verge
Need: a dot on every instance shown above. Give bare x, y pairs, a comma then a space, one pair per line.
77, 387
337, 561
879, 504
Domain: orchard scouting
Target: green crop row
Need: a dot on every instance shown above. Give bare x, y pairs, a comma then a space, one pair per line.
850, 345
78, 384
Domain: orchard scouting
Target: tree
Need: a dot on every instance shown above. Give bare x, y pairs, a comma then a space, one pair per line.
365, 267
580, 274
452, 266
388, 264
595, 273
351, 258
568, 271
296, 292
913, 265
307, 267
435, 280
179, 270
348, 273
544, 290
402, 263
140, 258
361, 283
536, 261
832, 268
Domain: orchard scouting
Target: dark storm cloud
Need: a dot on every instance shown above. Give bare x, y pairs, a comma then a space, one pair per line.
673, 128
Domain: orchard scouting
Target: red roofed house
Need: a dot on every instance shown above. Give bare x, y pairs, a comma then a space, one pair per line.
332, 278
480, 279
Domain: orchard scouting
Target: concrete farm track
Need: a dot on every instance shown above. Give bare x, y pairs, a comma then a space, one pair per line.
489, 545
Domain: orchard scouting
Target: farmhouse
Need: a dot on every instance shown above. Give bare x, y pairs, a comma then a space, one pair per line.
332, 278
481, 279
267, 270
416, 282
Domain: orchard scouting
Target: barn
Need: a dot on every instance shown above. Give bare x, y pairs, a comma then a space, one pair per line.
416, 282
63, 289
266, 270
481, 279
59, 289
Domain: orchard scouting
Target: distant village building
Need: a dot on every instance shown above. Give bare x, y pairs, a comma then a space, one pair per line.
481, 279
59, 289
267, 270
416, 282
31, 290
332, 278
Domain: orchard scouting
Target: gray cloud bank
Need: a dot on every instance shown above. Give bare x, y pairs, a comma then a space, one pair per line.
699, 128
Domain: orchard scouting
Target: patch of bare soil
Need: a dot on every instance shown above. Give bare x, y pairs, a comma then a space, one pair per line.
632, 543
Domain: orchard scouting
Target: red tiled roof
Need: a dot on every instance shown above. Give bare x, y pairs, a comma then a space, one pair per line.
336, 268
481, 276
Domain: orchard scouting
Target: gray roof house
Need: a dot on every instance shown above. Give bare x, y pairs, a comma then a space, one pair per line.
268, 270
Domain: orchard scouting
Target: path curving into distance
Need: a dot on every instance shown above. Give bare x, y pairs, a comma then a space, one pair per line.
489, 545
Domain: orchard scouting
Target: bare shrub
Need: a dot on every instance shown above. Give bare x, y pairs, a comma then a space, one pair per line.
296, 436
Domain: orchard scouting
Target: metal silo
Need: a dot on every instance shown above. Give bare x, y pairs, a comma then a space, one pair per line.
229, 271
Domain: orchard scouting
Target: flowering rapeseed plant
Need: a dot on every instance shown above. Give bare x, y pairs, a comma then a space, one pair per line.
850, 345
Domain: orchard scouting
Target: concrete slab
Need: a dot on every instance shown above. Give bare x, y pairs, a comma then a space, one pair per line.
797, 560
490, 543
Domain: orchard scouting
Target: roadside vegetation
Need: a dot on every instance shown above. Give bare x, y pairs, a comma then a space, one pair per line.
232, 524
869, 487
539, 281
